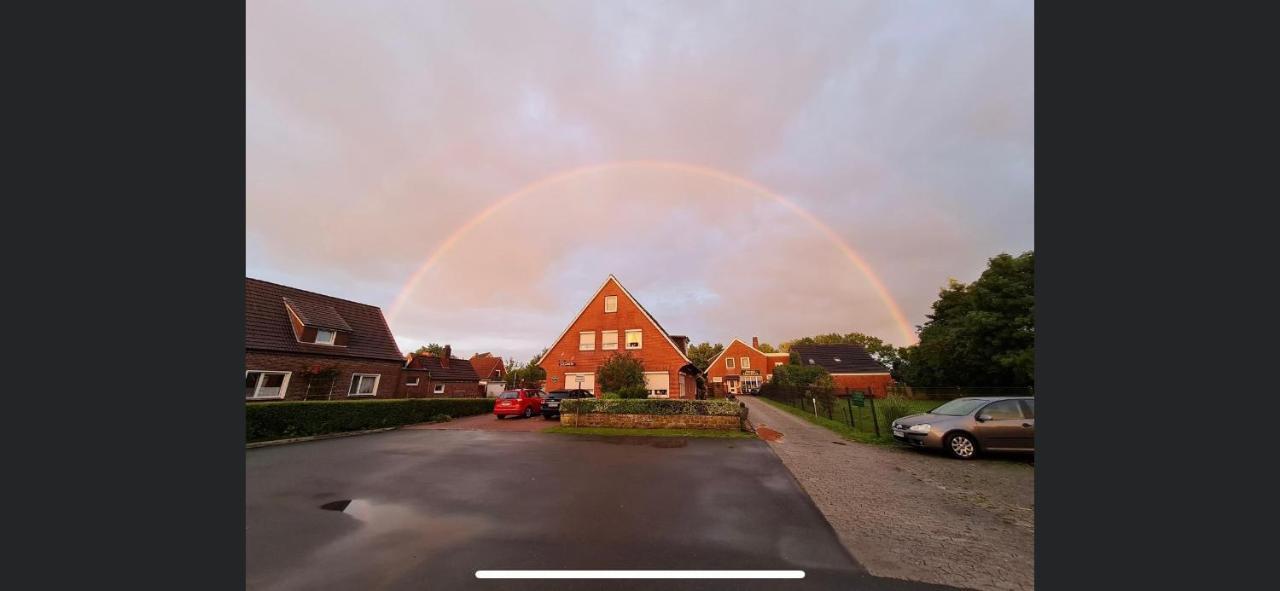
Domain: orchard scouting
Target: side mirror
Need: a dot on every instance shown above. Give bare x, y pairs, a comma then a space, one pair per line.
984, 418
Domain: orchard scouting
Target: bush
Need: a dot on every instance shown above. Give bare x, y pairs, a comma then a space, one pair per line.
894, 407
619, 371
657, 406
632, 392
265, 421
441, 418
610, 396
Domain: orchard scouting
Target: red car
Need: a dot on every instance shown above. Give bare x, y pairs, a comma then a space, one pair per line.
524, 403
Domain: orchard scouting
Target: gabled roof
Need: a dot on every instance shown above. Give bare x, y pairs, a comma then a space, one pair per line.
839, 358
316, 314
485, 364
646, 313
459, 370
267, 326
744, 344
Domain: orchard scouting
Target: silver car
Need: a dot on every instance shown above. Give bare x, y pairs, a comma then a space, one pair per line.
965, 427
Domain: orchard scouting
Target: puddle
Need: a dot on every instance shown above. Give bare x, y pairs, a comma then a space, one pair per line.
768, 434
659, 442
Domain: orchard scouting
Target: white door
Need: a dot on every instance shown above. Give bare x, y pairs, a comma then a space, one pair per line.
658, 383
585, 381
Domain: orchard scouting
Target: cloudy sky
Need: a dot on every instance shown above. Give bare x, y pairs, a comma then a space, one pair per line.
717, 157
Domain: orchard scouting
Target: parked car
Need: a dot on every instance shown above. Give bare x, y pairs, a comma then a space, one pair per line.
551, 406
965, 427
518, 403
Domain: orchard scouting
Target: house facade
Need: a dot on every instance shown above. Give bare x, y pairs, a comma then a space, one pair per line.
492, 373
850, 366
741, 366
614, 322
301, 345
439, 376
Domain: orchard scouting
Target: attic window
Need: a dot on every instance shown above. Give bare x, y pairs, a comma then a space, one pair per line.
810, 361
325, 337
610, 304
837, 359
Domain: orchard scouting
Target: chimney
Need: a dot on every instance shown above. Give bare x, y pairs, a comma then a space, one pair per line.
448, 352
755, 342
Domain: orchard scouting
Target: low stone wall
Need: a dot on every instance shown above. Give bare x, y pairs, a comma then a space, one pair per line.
647, 421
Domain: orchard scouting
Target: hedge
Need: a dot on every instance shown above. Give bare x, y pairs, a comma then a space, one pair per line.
654, 406
281, 420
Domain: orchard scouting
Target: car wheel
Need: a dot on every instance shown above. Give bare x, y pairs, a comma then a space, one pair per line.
547, 416
961, 446
499, 417
528, 411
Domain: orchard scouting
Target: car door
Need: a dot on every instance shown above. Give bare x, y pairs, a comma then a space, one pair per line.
1001, 427
1028, 439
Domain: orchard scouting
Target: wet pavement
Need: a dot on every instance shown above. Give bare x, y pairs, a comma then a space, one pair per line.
424, 509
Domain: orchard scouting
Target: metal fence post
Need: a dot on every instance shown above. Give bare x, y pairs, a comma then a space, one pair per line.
875, 421
849, 407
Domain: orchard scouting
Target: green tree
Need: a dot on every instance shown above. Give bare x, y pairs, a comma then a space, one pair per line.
432, 349
766, 348
526, 375
982, 333
802, 376
702, 354
622, 373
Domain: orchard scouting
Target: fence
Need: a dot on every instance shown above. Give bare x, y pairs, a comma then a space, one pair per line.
856, 411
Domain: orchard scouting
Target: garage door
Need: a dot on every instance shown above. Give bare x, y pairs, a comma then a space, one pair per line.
588, 381
657, 383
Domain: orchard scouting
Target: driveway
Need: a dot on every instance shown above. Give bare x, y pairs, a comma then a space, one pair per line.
913, 515
489, 422
428, 507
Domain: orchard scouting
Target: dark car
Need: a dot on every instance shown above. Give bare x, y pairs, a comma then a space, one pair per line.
966, 426
551, 405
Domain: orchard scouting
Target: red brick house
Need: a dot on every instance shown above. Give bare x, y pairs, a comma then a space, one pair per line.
492, 373
849, 365
614, 322
740, 366
301, 345
439, 376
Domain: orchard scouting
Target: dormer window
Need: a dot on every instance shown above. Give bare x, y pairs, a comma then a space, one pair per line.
325, 337
837, 359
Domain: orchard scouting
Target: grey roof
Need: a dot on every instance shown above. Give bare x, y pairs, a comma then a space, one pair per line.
267, 326
459, 370
839, 358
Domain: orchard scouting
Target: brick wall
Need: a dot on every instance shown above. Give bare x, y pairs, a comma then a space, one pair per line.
650, 421
426, 387
299, 364
656, 353
877, 382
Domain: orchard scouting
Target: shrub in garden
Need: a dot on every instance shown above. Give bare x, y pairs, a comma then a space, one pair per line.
633, 392
441, 418
279, 420
619, 371
894, 407
659, 406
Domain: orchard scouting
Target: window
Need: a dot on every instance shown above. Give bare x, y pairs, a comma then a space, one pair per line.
717, 380
610, 304
439, 389
729, 363
364, 384
657, 383
413, 382
266, 384
1005, 409
1028, 408
958, 407
751, 381
837, 359
325, 337
587, 340
777, 363
633, 338
609, 340
746, 363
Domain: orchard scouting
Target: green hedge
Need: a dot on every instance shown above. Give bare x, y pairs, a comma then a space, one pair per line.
657, 406
265, 421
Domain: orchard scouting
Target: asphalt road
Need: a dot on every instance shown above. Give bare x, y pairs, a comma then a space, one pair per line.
430, 507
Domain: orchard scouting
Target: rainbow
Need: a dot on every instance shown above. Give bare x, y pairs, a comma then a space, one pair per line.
447, 245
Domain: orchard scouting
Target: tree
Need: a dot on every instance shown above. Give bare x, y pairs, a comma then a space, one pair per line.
622, 374
802, 377
526, 375
766, 348
980, 334
431, 349
702, 354
886, 353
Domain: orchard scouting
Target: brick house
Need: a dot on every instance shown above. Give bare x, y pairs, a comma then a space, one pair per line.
301, 345
613, 322
849, 365
492, 373
439, 376
740, 366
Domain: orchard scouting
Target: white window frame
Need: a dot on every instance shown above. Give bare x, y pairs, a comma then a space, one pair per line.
639, 339
744, 363
257, 387
604, 342
610, 299
333, 336
377, 378
414, 382
583, 346
439, 389
730, 363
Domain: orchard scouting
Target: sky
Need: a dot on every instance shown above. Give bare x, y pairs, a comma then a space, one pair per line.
767, 169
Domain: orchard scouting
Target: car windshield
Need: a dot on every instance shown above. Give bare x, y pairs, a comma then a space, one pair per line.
510, 395
958, 408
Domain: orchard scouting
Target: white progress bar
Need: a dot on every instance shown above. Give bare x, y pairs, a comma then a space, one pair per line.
639, 574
